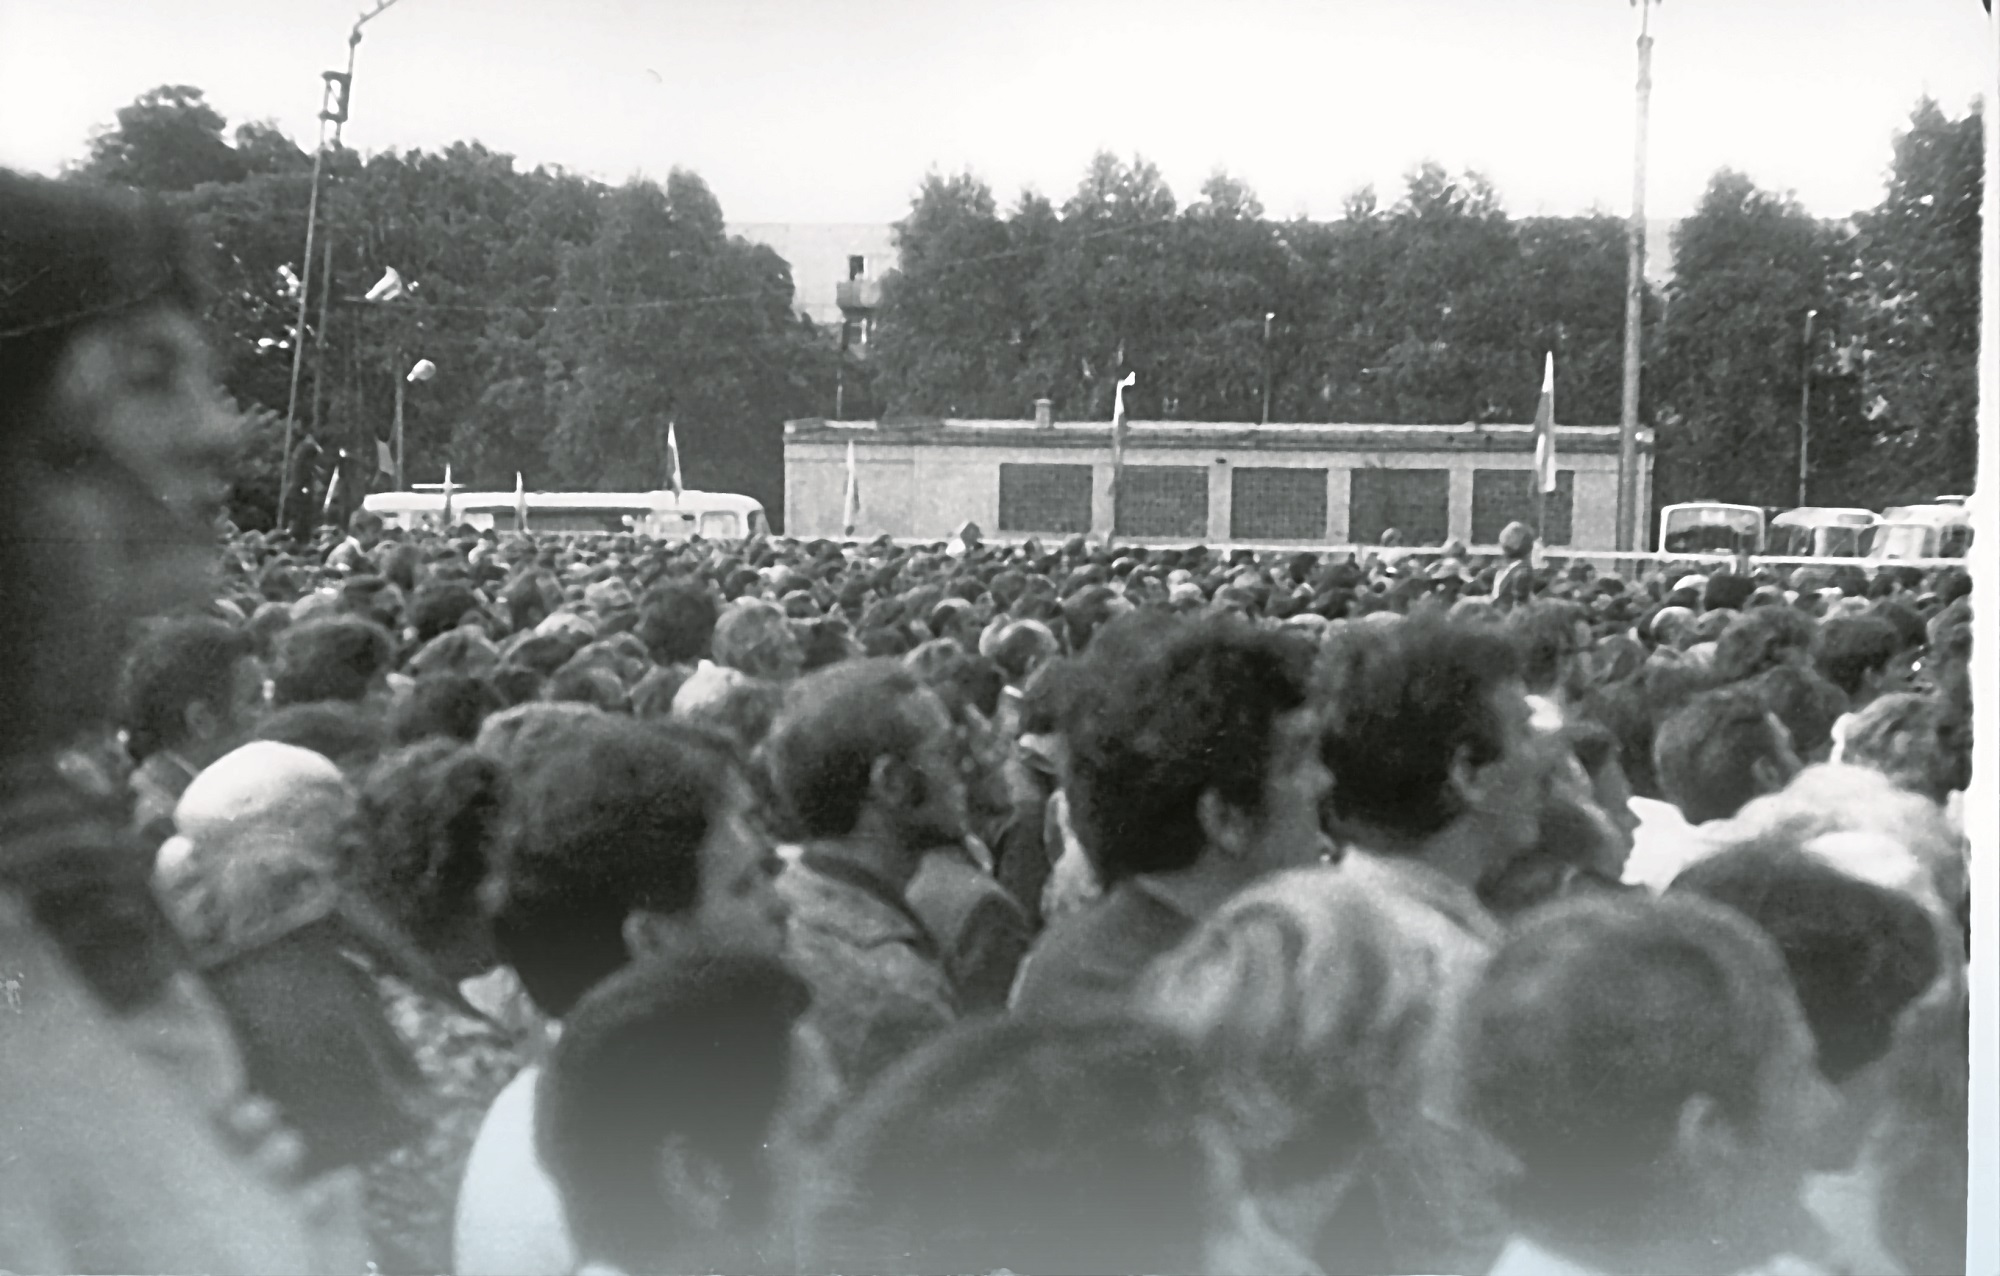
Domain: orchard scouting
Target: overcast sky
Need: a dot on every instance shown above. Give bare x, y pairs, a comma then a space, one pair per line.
832, 110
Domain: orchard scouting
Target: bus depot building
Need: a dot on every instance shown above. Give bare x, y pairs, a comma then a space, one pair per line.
1208, 483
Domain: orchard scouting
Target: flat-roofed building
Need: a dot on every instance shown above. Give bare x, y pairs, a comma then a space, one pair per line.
1215, 483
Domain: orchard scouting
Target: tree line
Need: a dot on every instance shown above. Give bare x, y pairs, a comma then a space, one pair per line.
571, 320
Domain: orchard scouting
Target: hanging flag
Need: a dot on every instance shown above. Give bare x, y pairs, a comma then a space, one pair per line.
520, 503
1545, 430
1118, 432
385, 462
850, 505
388, 288
332, 488
674, 462
447, 496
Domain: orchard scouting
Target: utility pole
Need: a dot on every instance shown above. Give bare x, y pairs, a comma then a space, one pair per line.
333, 110
1805, 408
1635, 290
1268, 317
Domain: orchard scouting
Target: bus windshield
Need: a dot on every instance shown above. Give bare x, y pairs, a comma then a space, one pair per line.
1711, 529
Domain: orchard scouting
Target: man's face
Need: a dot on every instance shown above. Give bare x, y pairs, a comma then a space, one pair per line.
1296, 784
939, 815
739, 905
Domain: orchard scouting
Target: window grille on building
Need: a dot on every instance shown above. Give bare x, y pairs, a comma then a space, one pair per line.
1500, 497
1417, 503
1163, 500
1277, 505
1044, 498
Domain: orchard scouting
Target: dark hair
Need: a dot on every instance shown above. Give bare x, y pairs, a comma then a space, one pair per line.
336, 658
1726, 591
653, 697
437, 608
690, 1049
835, 722
1590, 1029
1806, 703
1911, 629
677, 621
517, 684
1027, 1146
174, 665
1858, 953
348, 734
1191, 715
1545, 631
1852, 647
1083, 611
421, 847
589, 683
1705, 753
448, 705
1402, 701
610, 821
1760, 639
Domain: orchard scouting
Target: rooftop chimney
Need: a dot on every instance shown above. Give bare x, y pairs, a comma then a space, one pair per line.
1045, 414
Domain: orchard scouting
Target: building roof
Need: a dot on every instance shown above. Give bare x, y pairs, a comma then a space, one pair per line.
1278, 436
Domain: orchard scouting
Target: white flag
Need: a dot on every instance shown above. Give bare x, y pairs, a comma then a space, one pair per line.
674, 461
850, 505
1545, 429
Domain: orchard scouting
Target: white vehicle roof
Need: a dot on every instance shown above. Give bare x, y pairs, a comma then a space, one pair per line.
424, 502
1826, 516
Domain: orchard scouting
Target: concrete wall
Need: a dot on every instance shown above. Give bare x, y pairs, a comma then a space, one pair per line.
927, 489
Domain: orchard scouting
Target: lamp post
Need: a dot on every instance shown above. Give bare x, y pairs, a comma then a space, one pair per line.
1805, 408
333, 110
1269, 315
421, 370
1635, 286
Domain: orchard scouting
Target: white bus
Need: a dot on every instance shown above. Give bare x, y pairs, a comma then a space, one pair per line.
1711, 527
1817, 531
662, 515
1920, 531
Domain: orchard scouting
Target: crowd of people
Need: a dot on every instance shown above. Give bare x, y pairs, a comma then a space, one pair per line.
496, 902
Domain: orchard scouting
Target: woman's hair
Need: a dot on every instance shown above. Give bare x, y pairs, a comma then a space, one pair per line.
424, 832
1309, 994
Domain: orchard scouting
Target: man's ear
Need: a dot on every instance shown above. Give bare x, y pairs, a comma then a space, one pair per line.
1765, 772
1706, 1141
894, 783
693, 1187
1466, 781
648, 934
1224, 826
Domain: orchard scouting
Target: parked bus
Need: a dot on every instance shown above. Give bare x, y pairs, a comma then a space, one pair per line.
1711, 527
1920, 531
711, 515
1820, 532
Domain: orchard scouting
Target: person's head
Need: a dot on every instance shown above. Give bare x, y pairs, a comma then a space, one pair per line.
1859, 956
1755, 641
258, 836
374, 598
1025, 1146
1516, 541
1647, 1065
340, 658
621, 838
437, 608
446, 706
1309, 994
192, 687
1856, 655
112, 442
1597, 751
1726, 591
1722, 749
351, 735
1428, 727
755, 637
1554, 639
365, 526
1806, 703
422, 846
1861, 821
1021, 648
740, 707
1200, 747
653, 697
864, 750
655, 1111
1086, 610
1907, 738
591, 683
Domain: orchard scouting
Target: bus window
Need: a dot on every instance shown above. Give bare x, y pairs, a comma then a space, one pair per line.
721, 525
759, 527
1955, 540
1712, 529
1789, 540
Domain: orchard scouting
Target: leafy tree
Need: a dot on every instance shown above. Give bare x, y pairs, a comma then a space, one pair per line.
952, 308
1915, 274
1729, 356
170, 139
